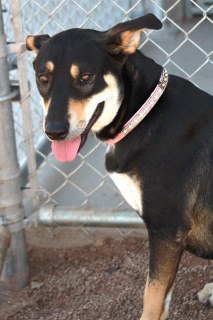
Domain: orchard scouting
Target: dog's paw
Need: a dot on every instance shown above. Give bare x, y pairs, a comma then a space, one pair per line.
206, 294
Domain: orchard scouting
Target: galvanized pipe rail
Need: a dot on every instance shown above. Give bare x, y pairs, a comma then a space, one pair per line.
15, 271
51, 215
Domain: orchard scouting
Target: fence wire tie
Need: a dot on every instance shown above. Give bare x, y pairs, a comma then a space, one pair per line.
12, 226
9, 96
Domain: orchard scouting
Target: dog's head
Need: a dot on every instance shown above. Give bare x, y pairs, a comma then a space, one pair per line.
79, 77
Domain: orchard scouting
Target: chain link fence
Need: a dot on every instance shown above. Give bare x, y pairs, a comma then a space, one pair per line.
184, 46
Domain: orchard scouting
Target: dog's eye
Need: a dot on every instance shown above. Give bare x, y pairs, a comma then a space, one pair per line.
43, 80
85, 77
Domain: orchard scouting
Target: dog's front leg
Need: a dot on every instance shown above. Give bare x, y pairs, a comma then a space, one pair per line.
164, 259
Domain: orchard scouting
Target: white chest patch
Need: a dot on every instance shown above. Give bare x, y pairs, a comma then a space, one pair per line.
130, 189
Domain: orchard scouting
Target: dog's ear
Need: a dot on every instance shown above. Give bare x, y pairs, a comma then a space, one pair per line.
35, 42
125, 37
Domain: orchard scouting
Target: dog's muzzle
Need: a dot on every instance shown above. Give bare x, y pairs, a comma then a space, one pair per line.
66, 150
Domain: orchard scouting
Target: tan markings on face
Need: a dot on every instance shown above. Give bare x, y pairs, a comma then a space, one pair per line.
112, 99
82, 111
46, 105
74, 70
77, 108
77, 118
30, 43
110, 80
50, 66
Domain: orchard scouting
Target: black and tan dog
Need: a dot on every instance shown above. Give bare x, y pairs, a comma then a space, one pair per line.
98, 81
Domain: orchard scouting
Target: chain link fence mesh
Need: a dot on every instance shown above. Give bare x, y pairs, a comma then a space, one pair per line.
184, 46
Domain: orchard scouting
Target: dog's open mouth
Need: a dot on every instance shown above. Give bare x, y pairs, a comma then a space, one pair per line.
67, 150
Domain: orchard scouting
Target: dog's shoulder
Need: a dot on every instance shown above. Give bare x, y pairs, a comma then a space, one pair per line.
187, 91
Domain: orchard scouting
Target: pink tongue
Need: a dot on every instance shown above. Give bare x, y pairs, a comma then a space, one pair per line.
65, 151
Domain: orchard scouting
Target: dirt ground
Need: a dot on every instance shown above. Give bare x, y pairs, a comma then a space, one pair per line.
100, 283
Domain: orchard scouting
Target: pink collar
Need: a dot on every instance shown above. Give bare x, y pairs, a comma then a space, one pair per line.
144, 110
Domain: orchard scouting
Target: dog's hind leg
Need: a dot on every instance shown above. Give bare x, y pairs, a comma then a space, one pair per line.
164, 260
206, 294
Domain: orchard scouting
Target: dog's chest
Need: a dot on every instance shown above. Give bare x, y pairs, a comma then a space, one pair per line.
128, 184
129, 187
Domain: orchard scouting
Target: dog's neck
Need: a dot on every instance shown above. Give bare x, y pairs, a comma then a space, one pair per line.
141, 75
144, 75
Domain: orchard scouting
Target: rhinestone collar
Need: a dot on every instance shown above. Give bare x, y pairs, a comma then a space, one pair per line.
144, 109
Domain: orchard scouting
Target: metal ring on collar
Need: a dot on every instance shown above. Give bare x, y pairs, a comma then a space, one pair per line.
9, 96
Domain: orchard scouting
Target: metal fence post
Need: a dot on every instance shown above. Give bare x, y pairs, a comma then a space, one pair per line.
16, 270
25, 104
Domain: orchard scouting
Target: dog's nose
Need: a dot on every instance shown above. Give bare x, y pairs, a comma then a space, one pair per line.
56, 131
